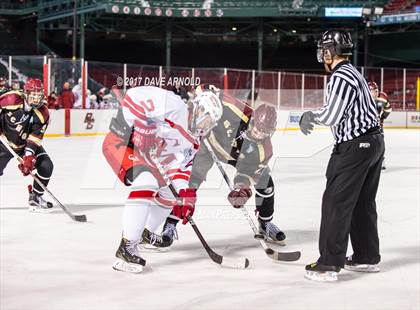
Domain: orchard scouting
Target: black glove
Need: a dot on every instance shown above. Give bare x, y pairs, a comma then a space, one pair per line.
307, 121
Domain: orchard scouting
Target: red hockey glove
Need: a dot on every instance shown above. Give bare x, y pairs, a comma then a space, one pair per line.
186, 209
27, 165
240, 195
144, 137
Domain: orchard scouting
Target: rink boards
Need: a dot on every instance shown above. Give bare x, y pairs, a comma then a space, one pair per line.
95, 122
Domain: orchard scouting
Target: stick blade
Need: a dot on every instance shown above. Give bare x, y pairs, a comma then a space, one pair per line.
80, 218
283, 256
235, 263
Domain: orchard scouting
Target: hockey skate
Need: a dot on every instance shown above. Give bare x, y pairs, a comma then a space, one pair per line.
169, 233
128, 259
37, 203
152, 242
321, 273
352, 266
271, 233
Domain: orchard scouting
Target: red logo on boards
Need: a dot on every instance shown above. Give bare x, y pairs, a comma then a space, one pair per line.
89, 120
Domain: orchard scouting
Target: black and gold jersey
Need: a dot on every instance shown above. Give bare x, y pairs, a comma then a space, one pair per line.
23, 128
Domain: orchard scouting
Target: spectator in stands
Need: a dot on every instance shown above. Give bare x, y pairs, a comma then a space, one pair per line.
94, 102
52, 101
100, 97
3, 86
77, 92
66, 99
181, 91
16, 85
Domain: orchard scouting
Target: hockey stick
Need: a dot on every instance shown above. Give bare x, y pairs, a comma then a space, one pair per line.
239, 263
273, 254
77, 218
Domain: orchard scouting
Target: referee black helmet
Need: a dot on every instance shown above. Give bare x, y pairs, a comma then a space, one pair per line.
338, 42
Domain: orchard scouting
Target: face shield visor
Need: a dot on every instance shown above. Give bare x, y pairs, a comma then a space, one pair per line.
202, 124
35, 99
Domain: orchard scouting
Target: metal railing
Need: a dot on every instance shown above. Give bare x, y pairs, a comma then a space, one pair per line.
285, 90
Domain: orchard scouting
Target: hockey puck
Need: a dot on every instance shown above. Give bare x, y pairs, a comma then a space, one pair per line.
80, 218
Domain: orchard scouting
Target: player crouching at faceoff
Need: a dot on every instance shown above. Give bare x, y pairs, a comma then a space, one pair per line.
23, 121
242, 138
154, 120
382, 105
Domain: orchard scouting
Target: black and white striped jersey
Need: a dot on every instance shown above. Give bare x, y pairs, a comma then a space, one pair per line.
349, 107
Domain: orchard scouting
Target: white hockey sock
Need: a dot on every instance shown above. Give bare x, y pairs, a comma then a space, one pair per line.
157, 216
138, 205
134, 219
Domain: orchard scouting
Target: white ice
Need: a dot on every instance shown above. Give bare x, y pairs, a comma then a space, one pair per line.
50, 262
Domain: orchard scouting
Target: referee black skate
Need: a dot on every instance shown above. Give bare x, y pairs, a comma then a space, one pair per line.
354, 168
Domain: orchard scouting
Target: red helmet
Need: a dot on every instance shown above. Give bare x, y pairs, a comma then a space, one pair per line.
32, 84
34, 92
263, 122
373, 86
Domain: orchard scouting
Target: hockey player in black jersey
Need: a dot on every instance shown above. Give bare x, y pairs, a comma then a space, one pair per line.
242, 138
382, 105
23, 121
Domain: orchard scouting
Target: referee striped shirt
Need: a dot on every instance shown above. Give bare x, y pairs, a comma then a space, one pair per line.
349, 107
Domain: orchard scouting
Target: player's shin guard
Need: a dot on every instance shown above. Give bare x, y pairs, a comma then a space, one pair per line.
136, 212
44, 167
264, 201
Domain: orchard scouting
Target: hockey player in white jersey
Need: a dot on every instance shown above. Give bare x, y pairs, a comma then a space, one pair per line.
153, 120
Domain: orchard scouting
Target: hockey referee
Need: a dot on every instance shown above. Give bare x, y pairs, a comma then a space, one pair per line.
354, 168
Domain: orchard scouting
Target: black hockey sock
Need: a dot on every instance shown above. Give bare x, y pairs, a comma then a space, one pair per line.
171, 219
264, 199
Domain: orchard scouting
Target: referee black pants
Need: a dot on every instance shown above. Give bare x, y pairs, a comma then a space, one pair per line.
348, 203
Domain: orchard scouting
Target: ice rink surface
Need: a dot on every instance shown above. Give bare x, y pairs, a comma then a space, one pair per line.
49, 262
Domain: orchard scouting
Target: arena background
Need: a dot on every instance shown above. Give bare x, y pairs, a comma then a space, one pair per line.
266, 48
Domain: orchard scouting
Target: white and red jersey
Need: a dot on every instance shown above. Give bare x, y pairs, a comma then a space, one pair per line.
150, 104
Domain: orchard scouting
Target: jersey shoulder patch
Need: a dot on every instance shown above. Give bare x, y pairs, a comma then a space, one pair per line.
43, 114
239, 107
383, 96
11, 100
